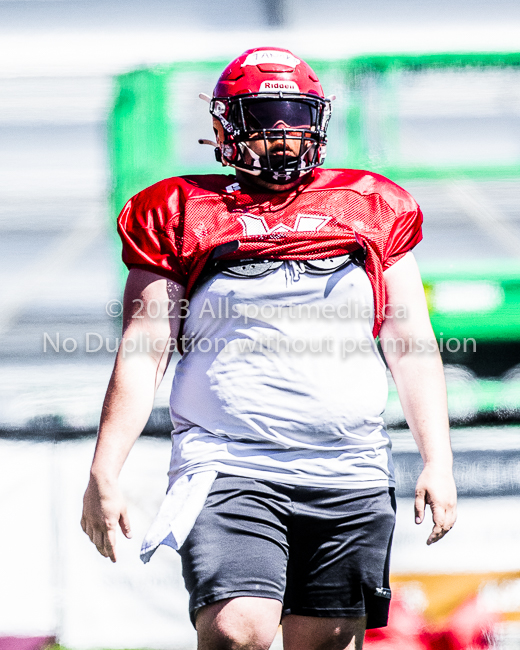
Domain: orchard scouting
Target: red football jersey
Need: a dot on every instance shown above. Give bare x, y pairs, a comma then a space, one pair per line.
172, 227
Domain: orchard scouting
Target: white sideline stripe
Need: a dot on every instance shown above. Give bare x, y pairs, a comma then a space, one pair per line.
469, 196
43, 272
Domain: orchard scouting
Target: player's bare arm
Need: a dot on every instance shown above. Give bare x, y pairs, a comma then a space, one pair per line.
414, 361
142, 359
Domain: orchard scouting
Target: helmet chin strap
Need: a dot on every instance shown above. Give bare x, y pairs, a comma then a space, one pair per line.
274, 176
270, 176
254, 156
277, 178
280, 177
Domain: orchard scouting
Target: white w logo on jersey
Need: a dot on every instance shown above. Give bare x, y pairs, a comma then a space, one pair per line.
255, 225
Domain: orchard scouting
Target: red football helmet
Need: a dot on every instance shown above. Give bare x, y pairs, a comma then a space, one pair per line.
268, 94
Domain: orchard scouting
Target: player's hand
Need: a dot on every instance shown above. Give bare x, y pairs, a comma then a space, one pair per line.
103, 510
436, 488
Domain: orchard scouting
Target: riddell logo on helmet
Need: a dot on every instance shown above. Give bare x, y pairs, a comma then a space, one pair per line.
276, 86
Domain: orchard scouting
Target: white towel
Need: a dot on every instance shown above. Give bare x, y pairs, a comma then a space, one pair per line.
178, 512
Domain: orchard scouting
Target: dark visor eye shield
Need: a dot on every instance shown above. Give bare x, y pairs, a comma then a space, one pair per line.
268, 113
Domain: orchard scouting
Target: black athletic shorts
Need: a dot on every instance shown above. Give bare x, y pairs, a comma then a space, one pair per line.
320, 551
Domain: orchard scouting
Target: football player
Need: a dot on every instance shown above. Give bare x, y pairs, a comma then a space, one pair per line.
275, 281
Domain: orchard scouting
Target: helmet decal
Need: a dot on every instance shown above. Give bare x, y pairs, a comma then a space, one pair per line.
275, 85
281, 57
219, 108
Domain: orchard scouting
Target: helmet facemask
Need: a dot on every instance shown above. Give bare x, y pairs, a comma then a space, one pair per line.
296, 122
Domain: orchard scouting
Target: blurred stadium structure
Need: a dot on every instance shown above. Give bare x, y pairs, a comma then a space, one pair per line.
446, 127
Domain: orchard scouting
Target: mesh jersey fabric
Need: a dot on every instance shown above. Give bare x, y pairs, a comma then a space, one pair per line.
172, 227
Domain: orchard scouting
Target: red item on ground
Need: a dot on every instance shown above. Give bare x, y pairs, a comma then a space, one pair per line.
404, 631
470, 626
26, 642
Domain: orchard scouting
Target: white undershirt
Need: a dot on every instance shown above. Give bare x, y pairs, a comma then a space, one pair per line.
281, 381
